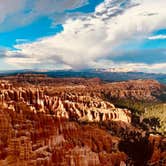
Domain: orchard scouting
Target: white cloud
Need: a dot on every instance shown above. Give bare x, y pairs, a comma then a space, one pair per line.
153, 68
51, 6
16, 13
23, 61
157, 37
88, 38
141, 67
8, 7
156, 68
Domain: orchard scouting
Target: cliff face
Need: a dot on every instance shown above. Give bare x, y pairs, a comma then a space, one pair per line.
63, 124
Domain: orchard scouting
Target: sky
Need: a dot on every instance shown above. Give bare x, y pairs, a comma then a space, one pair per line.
80, 34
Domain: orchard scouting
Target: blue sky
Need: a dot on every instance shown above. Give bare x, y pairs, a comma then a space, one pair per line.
76, 34
37, 29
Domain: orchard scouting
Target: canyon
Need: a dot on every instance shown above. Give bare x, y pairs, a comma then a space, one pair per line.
71, 122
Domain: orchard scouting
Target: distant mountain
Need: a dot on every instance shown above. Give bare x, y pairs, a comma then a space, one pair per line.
110, 75
116, 70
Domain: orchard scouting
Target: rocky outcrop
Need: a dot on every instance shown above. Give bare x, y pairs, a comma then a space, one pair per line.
36, 127
82, 156
69, 124
139, 90
69, 106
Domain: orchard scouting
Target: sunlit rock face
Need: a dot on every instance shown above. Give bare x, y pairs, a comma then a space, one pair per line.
68, 106
92, 110
36, 127
65, 123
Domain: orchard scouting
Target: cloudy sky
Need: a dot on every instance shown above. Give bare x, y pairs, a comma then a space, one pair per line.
78, 34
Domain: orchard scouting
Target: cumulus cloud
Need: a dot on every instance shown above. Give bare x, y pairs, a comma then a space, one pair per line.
16, 13
88, 38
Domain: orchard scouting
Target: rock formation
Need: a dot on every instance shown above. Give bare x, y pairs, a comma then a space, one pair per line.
83, 108
69, 123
